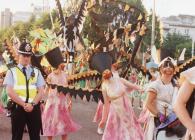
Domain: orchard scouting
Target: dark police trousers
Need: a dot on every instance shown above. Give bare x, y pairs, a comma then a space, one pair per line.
20, 118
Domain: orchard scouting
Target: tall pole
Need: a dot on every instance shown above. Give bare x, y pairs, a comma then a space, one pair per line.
153, 24
43, 6
50, 14
192, 47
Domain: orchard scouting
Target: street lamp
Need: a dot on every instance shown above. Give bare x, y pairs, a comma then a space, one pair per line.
193, 47
153, 24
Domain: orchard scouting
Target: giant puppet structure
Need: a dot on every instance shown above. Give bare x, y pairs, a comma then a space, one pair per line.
116, 34
113, 41
112, 36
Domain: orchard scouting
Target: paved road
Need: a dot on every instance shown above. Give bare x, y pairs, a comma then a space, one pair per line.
82, 113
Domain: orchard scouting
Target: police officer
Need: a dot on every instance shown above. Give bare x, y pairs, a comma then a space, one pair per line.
25, 84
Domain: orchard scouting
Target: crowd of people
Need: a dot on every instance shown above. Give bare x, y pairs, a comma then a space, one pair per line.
163, 116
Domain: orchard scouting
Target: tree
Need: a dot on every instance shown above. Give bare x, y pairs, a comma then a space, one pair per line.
158, 36
174, 43
72, 6
21, 29
138, 3
43, 22
102, 17
188, 46
97, 23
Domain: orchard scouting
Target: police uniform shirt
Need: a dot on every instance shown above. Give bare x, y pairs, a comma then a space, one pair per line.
9, 79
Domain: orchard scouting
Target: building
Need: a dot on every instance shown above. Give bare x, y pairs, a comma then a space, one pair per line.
39, 10
182, 24
25, 16
21, 16
6, 18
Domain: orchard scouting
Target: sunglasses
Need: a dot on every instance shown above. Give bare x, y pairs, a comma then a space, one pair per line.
168, 64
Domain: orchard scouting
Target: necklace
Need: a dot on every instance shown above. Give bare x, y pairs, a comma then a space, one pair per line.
169, 88
164, 83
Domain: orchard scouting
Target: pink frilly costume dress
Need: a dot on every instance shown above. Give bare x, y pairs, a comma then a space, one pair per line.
56, 118
99, 110
122, 123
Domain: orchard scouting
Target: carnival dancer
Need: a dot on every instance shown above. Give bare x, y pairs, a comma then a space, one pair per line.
56, 117
122, 122
120, 119
186, 93
25, 85
98, 114
3, 102
161, 95
133, 79
151, 75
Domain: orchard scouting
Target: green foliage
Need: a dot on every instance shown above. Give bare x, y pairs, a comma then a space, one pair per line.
72, 7
188, 46
147, 37
137, 3
174, 43
94, 30
43, 22
22, 29
101, 17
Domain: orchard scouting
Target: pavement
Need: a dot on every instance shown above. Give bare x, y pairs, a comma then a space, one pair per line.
82, 113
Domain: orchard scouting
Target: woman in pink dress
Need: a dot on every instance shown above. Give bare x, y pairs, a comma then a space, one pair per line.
56, 115
121, 123
99, 110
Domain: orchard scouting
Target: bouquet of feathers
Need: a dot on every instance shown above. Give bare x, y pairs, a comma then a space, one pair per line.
44, 40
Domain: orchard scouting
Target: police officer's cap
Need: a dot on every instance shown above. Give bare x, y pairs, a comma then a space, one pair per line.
25, 48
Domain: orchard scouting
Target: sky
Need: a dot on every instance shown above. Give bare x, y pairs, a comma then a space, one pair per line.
164, 8
25, 5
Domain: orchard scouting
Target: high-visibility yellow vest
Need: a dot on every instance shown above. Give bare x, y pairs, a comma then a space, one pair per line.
21, 85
